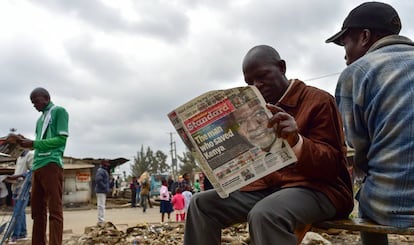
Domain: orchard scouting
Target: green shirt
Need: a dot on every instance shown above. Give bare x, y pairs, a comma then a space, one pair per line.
50, 145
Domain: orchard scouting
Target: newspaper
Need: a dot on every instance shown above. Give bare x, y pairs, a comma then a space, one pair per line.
226, 131
9, 147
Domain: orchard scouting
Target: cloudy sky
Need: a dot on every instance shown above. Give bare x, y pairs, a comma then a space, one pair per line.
119, 67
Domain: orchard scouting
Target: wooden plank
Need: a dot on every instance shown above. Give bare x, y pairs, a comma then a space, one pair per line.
358, 224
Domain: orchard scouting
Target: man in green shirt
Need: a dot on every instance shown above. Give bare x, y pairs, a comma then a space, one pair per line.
47, 179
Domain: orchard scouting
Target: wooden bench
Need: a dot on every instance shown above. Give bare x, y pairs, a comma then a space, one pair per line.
358, 224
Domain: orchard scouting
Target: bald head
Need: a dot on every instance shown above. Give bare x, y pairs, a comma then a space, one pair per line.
263, 53
263, 68
40, 98
40, 92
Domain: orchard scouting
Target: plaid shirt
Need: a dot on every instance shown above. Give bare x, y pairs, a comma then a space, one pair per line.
375, 95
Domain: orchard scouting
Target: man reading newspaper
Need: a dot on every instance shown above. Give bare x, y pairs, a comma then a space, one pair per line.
317, 187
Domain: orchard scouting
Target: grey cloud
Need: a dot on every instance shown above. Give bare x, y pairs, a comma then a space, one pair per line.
99, 62
155, 18
119, 102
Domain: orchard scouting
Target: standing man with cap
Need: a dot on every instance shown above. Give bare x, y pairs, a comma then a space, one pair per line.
47, 178
375, 94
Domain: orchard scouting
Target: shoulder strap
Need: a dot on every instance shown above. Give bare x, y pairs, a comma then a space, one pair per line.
46, 121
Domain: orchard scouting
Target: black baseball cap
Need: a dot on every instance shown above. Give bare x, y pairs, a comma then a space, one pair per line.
370, 15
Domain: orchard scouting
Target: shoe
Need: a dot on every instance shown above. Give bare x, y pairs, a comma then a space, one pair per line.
100, 224
12, 241
23, 239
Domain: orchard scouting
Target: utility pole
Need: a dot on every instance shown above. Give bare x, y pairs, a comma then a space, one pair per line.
173, 152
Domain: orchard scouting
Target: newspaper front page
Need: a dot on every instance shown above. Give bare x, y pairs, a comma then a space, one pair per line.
226, 131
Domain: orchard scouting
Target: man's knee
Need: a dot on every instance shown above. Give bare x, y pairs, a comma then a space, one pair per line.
264, 215
197, 199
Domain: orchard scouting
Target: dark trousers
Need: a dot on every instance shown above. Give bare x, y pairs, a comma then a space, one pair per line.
47, 190
273, 216
133, 197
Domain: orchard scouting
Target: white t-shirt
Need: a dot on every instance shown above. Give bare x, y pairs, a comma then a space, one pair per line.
3, 187
23, 164
187, 198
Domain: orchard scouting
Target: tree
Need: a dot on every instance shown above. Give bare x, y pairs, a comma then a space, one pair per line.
189, 164
150, 162
160, 163
141, 162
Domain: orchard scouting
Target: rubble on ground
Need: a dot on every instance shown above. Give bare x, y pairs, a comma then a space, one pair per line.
172, 233
150, 234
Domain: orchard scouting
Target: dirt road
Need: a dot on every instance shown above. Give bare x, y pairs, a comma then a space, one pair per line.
77, 219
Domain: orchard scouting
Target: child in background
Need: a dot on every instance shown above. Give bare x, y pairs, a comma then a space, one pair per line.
187, 194
165, 205
179, 205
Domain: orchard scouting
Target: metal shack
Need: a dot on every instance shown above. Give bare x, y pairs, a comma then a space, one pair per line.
78, 183
77, 188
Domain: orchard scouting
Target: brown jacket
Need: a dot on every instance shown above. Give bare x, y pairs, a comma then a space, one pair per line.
322, 163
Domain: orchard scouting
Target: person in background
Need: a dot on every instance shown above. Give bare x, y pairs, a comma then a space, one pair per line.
112, 185
170, 183
23, 165
178, 202
207, 184
287, 200
165, 203
149, 199
197, 186
145, 191
101, 189
117, 187
375, 95
183, 181
187, 194
3, 191
186, 182
47, 176
138, 193
177, 184
133, 187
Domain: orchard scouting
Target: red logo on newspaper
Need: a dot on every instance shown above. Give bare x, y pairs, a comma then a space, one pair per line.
209, 115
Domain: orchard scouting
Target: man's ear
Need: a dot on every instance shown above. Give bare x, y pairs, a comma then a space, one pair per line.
282, 66
365, 38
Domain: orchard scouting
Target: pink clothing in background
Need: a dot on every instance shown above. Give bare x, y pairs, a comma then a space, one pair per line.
178, 201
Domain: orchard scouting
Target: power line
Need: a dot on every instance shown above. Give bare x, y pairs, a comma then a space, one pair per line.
323, 76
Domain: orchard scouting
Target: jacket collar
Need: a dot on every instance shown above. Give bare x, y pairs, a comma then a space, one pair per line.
292, 95
47, 107
390, 40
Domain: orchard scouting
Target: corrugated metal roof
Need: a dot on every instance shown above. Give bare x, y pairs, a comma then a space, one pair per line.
77, 166
8, 163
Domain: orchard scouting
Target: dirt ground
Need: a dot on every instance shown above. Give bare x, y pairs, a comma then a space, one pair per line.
77, 221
